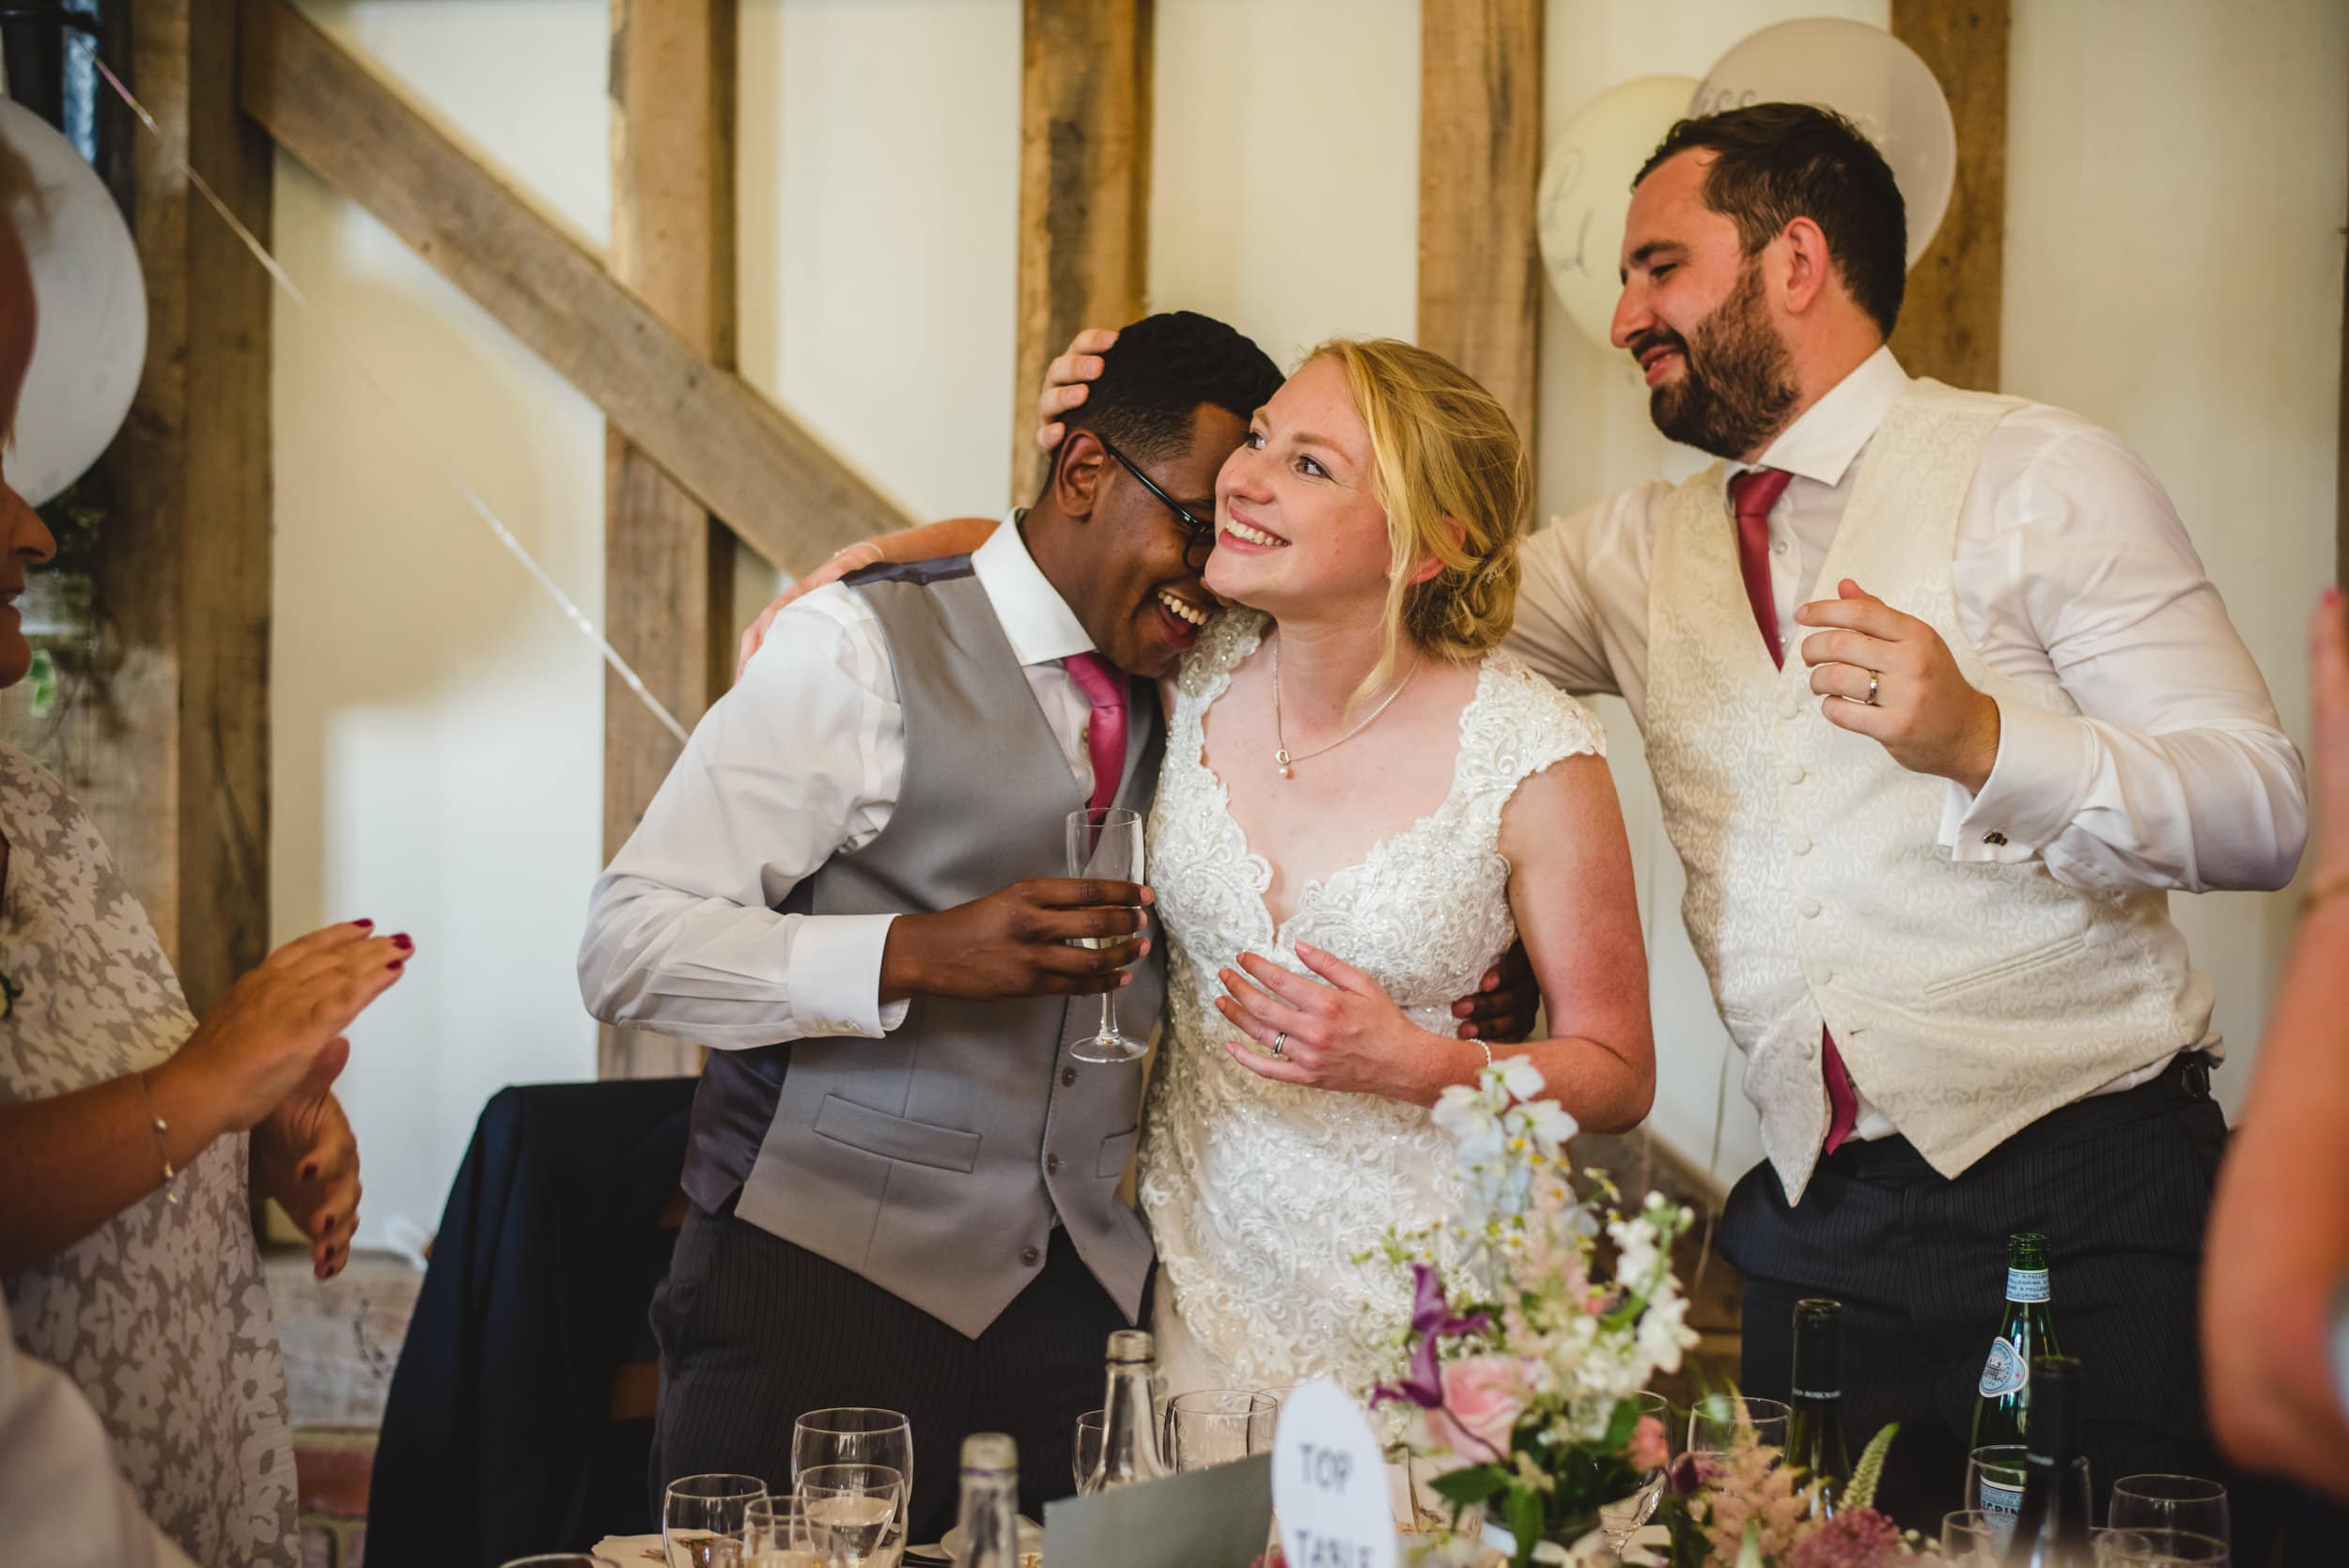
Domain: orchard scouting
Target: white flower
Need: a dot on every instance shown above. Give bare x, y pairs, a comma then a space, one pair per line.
1662, 1334
1550, 1124
1518, 1076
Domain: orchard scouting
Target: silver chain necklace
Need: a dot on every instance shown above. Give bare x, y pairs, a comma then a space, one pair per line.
1281, 750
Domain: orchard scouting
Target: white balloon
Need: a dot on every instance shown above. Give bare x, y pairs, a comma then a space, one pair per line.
1870, 78
92, 301
1586, 191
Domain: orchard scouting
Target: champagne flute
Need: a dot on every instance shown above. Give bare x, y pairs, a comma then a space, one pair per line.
1105, 843
2170, 1502
853, 1435
1219, 1426
1624, 1517
701, 1519
1087, 1461
855, 1513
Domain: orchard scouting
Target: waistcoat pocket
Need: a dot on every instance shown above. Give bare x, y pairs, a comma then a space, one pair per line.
2021, 963
877, 1132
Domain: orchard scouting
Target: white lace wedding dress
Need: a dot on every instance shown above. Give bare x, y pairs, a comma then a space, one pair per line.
1264, 1195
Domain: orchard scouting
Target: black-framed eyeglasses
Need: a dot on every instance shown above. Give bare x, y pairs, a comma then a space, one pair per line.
1202, 531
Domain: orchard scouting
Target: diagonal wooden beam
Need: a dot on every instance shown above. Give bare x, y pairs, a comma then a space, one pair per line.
668, 579
775, 483
1480, 155
1084, 189
1950, 317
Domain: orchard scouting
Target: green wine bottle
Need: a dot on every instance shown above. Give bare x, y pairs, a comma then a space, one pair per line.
2051, 1528
2002, 1413
1814, 1434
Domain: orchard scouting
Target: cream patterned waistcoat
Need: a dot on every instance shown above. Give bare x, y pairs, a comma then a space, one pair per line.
1968, 998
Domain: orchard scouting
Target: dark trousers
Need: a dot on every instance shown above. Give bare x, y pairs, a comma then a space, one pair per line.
2120, 1185
754, 1332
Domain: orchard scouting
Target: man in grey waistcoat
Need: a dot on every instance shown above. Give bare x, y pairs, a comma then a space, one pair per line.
904, 1188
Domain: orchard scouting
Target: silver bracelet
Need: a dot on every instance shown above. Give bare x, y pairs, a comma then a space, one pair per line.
163, 1146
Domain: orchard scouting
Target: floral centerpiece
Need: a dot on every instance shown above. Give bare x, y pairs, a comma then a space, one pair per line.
1528, 1346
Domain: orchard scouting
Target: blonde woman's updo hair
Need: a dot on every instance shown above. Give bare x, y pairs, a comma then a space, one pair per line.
1442, 449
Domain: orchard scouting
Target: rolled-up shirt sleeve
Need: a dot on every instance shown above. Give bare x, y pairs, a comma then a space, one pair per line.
2175, 773
799, 761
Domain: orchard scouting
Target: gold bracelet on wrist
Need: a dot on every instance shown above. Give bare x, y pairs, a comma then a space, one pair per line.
163, 1146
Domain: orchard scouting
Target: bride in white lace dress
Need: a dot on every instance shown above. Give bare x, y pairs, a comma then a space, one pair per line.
1369, 778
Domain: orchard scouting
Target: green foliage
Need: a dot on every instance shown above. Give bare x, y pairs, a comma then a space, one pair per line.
1860, 1492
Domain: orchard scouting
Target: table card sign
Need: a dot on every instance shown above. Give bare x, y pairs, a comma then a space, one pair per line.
1329, 1484
1212, 1518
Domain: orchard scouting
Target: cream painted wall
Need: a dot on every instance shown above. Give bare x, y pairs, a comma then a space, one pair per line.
438, 724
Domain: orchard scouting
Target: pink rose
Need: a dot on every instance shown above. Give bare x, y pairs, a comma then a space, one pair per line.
1483, 1398
1647, 1449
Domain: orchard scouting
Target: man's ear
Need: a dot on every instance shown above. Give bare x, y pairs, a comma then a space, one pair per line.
1430, 564
1809, 267
1077, 473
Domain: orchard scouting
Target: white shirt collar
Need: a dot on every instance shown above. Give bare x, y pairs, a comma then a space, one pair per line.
1822, 441
1036, 620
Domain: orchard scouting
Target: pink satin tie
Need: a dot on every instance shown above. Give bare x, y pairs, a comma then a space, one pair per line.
1105, 736
1752, 495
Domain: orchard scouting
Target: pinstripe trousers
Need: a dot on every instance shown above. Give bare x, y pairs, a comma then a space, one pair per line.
754, 1332
2120, 1185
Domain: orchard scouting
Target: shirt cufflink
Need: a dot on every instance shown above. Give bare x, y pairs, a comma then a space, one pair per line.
836, 977
2034, 790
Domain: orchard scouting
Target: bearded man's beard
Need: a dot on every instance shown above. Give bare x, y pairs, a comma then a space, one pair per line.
1736, 388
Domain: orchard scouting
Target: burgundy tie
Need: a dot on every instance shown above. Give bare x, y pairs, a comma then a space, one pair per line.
1105, 736
1752, 495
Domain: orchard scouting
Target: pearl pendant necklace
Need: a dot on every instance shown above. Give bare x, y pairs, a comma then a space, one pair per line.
1280, 743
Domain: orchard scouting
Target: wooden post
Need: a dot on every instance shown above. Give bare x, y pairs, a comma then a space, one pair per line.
1950, 321
170, 751
668, 589
1479, 156
1084, 189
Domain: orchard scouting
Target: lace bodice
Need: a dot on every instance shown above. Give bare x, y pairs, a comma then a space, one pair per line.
1263, 1195
161, 1314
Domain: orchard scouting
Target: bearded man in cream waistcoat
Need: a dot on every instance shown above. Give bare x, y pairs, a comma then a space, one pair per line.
1942, 707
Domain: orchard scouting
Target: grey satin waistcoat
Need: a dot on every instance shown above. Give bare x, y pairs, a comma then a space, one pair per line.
933, 1160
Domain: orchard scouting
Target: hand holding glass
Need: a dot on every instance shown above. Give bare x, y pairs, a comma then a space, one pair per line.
1105, 844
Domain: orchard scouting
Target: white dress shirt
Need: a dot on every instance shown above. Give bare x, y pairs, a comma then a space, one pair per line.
800, 761
63, 1500
2073, 568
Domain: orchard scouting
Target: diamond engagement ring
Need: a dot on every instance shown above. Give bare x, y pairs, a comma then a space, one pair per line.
1281, 1046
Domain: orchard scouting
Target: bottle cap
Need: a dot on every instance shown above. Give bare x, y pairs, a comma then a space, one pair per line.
1129, 1346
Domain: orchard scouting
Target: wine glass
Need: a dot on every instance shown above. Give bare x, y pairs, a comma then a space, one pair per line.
1716, 1420
1216, 1426
1086, 1460
2139, 1547
1105, 843
2170, 1502
1994, 1488
853, 1435
775, 1534
1973, 1539
1623, 1517
559, 1560
701, 1519
854, 1514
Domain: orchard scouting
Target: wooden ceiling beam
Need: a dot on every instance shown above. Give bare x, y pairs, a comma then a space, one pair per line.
777, 484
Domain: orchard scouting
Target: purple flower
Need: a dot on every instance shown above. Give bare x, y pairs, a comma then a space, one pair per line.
1432, 1315
1432, 1319
1859, 1538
